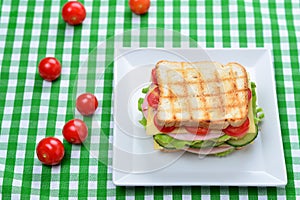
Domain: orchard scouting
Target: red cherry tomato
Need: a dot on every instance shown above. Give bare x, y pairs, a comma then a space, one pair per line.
75, 131
154, 79
197, 130
50, 151
49, 68
86, 104
153, 98
163, 129
238, 131
249, 94
139, 7
73, 13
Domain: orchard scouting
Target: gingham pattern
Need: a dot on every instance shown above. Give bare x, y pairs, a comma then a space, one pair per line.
31, 108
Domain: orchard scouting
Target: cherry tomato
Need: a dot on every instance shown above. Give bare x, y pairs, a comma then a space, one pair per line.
75, 131
153, 98
139, 7
237, 131
197, 130
154, 79
73, 13
249, 94
49, 68
86, 104
163, 129
50, 151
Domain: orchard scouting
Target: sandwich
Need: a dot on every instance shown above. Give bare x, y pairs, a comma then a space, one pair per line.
200, 107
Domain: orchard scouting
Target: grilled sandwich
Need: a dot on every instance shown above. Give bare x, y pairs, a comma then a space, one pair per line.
201, 107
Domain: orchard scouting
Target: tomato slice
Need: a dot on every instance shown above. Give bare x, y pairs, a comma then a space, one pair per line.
163, 129
153, 98
154, 79
197, 130
237, 131
249, 94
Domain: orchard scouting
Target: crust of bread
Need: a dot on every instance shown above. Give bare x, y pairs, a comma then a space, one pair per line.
203, 94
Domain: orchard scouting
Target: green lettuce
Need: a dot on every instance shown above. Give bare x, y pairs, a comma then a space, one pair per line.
140, 102
143, 121
257, 111
169, 142
225, 153
145, 90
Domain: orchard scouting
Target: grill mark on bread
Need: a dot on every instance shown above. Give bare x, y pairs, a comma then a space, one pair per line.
218, 107
181, 95
184, 75
206, 95
172, 103
219, 95
202, 95
211, 80
234, 86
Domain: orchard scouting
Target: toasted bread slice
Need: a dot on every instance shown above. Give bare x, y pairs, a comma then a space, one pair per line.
206, 94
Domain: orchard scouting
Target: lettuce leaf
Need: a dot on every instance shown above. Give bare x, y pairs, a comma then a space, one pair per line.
258, 112
140, 102
225, 153
143, 121
145, 90
169, 142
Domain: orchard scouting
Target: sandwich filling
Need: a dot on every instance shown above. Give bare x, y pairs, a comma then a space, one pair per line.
203, 108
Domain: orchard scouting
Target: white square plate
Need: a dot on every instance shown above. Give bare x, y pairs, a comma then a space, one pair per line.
135, 162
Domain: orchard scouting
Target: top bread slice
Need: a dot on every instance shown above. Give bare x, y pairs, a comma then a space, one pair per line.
202, 94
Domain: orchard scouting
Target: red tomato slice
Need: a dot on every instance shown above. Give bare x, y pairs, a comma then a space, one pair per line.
197, 130
154, 79
153, 98
249, 94
163, 129
237, 131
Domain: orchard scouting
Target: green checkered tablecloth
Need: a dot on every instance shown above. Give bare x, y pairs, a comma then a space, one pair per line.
31, 109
